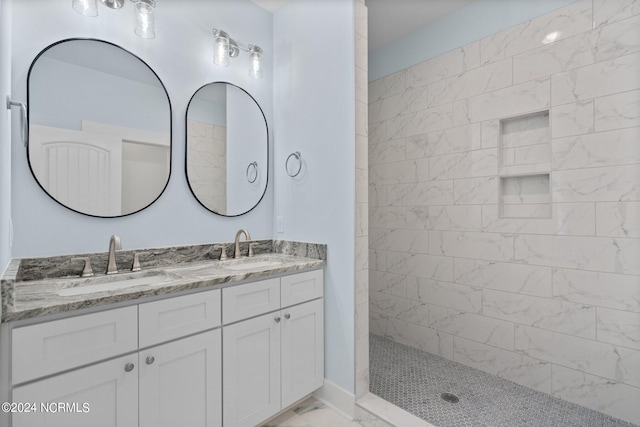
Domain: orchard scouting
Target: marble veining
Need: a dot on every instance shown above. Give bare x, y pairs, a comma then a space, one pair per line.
185, 268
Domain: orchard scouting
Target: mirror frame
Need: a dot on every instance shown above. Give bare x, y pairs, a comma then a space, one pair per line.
42, 52
186, 151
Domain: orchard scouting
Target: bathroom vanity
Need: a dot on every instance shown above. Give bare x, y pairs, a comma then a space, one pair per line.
199, 344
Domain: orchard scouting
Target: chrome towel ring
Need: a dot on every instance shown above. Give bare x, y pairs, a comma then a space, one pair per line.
252, 170
298, 157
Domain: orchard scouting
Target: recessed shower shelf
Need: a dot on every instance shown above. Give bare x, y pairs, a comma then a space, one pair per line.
524, 140
524, 166
524, 170
525, 196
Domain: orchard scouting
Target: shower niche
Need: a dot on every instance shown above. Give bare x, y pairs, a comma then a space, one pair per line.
524, 166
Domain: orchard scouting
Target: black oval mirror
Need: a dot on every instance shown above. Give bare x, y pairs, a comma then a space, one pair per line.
99, 128
227, 161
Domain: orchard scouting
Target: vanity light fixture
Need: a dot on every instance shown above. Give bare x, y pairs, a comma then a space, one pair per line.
145, 18
224, 47
143, 9
256, 61
85, 7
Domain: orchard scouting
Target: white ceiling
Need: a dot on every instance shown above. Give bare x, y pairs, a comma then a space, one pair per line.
270, 5
390, 20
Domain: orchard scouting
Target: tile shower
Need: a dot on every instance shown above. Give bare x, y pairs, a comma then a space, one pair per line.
504, 205
208, 167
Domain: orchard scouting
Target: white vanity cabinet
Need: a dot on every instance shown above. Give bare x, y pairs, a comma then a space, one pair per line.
274, 359
302, 350
251, 376
180, 383
250, 349
109, 390
165, 385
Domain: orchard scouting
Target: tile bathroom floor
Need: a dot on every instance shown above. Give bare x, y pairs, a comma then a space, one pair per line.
413, 380
310, 413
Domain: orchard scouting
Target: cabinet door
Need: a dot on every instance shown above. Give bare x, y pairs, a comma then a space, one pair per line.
110, 391
302, 350
301, 287
251, 376
180, 383
51, 347
252, 299
172, 318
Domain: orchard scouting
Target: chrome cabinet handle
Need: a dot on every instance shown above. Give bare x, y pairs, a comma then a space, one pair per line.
150, 360
129, 367
277, 319
287, 316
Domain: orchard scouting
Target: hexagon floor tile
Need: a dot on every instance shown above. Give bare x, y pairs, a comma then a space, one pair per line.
414, 380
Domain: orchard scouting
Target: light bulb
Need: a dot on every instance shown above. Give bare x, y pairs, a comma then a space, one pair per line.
85, 7
551, 37
221, 48
145, 19
256, 62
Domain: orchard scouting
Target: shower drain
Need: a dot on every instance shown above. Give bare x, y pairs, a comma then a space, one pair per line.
450, 397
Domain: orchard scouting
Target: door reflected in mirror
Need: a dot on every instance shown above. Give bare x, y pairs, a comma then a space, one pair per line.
227, 149
99, 128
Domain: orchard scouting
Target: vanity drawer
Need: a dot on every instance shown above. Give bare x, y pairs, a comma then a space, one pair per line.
244, 301
55, 346
177, 317
301, 287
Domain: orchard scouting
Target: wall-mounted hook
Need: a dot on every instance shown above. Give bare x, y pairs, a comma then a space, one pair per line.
23, 110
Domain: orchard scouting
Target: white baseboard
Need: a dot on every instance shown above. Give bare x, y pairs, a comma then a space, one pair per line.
337, 398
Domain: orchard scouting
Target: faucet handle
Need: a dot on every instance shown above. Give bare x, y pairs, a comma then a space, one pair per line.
136, 262
251, 245
223, 253
87, 271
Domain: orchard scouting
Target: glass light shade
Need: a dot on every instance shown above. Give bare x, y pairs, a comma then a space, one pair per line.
113, 4
221, 49
256, 62
85, 7
145, 19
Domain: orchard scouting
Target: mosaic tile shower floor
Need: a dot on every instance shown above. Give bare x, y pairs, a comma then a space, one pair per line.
413, 380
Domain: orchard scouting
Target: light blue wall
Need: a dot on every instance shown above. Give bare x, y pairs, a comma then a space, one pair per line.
181, 55
204, 111
246, 136
314, 113
5, 133
62, 95
474, 22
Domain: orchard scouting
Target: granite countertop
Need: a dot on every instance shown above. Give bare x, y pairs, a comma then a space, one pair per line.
25, 299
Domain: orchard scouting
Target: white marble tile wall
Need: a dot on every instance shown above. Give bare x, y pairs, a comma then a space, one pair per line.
551, 302
361, 220
208, 163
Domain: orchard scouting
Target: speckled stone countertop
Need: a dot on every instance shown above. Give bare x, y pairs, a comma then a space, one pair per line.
29, 292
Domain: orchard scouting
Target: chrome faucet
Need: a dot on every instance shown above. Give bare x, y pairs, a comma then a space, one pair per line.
114, 245
247, 236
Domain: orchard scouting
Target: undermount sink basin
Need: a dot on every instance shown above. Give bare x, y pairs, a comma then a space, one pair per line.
250, 265
113, 283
